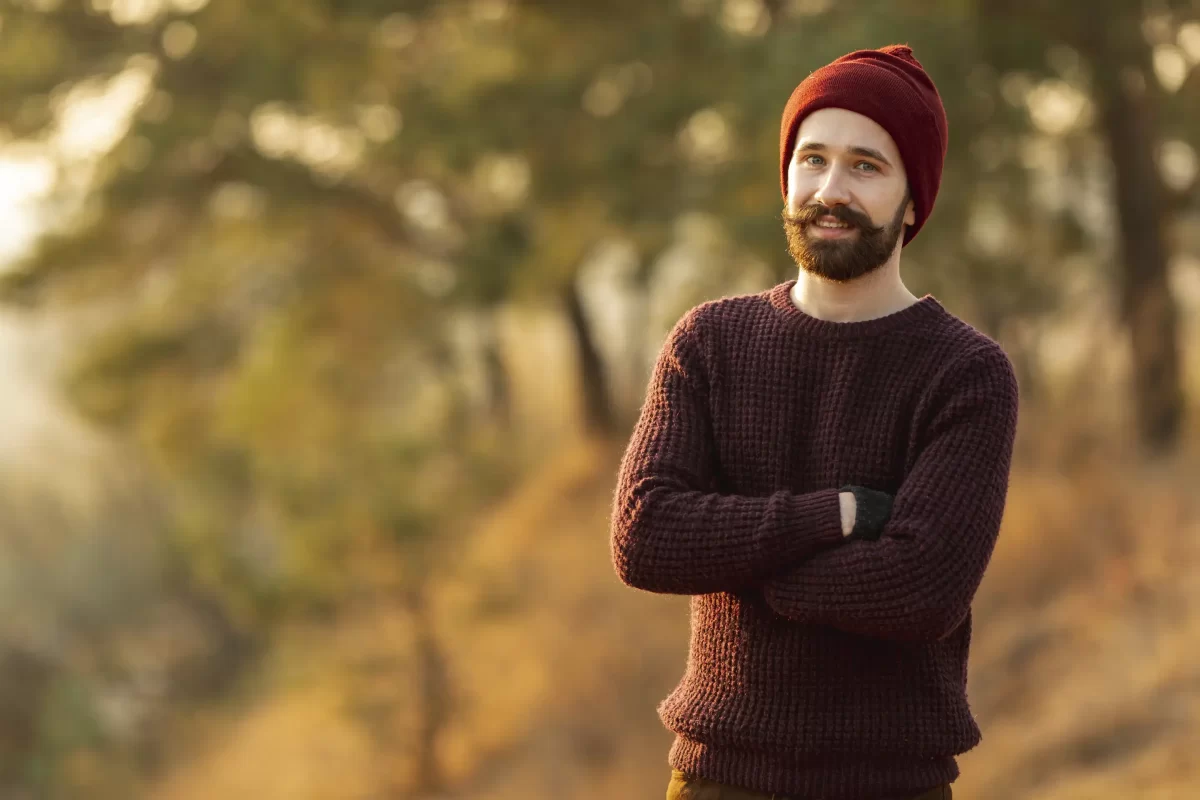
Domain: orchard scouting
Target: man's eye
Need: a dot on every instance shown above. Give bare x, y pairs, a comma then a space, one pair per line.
868, 166
814, 160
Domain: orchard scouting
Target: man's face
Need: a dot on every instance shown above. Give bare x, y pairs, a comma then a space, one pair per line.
847, 200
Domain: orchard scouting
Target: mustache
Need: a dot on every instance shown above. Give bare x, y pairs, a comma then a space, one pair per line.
810, 213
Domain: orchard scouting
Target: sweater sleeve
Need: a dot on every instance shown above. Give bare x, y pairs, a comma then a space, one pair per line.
671, 532
917, 582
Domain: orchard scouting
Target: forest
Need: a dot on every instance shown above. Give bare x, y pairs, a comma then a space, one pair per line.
344, 311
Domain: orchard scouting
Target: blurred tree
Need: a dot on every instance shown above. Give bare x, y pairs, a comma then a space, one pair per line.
1108, 45
274, 280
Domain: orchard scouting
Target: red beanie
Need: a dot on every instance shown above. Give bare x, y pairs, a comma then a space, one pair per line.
889, 86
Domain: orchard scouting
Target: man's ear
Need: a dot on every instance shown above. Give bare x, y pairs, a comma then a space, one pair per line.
910, 213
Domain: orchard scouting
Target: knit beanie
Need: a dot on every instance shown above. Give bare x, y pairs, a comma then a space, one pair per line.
891, 87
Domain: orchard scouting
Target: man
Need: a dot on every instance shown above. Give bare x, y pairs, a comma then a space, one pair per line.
823, 466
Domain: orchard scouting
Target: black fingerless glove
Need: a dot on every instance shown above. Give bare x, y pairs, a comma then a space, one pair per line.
872, 508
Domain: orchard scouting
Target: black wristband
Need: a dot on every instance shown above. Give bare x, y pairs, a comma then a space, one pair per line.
872, 509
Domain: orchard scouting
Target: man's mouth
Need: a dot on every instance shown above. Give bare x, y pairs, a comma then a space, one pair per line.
826, 227
830, 222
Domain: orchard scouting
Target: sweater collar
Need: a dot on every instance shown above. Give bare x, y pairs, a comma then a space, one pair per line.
779, 296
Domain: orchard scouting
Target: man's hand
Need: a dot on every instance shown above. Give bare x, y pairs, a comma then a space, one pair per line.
846, 500
864, 512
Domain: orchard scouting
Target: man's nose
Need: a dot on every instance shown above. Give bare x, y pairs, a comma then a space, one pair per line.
833, 190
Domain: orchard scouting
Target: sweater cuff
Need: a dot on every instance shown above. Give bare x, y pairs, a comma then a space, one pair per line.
803, 524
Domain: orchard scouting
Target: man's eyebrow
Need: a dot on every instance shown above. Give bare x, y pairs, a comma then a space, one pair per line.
870, 153
857, 150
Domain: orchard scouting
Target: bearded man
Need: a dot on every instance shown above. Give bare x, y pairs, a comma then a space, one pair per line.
823, 467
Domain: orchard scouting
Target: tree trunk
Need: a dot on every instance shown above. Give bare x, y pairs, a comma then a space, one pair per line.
433, 698
499, 386
1126, 110
598, 415
25, 679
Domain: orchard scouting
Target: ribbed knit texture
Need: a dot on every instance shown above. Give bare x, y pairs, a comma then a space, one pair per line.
818, 667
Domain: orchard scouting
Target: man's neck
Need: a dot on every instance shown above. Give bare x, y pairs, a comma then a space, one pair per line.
874, 295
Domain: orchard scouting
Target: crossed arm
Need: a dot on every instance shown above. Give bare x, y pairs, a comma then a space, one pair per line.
671, 532
916, 583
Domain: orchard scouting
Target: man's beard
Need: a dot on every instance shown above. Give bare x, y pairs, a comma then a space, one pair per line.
842, 260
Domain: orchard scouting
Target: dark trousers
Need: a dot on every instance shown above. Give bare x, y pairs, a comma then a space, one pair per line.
688, 787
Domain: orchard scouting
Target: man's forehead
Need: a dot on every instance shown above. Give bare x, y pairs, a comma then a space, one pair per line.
841, 129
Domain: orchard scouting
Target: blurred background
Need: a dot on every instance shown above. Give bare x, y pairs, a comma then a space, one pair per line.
324, 324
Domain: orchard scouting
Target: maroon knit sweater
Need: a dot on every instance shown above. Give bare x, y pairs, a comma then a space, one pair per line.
818, 667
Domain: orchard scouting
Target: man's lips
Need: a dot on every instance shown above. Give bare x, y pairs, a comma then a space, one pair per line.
829, 227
